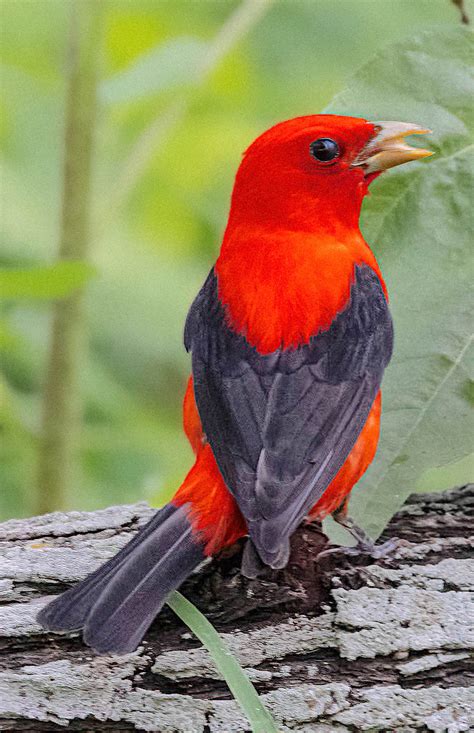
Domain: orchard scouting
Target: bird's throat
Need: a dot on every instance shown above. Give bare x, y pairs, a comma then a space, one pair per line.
281, 287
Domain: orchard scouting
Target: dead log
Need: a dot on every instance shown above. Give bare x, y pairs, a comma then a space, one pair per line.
347, 644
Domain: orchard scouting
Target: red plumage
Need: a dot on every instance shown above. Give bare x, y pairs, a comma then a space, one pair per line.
277, 238
290, 336
290, 220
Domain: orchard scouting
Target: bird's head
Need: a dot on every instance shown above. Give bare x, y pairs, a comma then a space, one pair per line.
314, 171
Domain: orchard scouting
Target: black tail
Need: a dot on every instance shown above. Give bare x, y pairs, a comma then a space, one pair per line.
116, 604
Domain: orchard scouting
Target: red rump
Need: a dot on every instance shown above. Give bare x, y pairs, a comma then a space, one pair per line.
214, 514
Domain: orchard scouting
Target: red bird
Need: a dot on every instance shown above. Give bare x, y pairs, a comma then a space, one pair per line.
290, 335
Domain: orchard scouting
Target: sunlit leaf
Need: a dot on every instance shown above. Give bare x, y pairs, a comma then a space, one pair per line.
55, 281
449, 476
134, 380
169, 65
419, 221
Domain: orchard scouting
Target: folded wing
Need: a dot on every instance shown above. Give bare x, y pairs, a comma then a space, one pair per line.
281, 425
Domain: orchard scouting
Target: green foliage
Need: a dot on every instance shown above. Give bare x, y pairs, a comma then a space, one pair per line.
164, 165
419, 222
171, 65
52, 282
152, 247
228, 666
452, 474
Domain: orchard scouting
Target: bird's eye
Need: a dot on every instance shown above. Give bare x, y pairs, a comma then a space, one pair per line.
324, 149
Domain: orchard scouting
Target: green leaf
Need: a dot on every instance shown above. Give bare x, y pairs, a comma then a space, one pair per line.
56, 281
172, 64
419, 222
235, 677
446, 477
8, 340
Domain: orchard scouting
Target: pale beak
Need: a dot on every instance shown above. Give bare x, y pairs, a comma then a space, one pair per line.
388, 148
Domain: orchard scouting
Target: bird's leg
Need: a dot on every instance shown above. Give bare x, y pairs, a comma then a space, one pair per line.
365, 544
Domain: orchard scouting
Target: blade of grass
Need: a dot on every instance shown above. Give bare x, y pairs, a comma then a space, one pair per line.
235, 677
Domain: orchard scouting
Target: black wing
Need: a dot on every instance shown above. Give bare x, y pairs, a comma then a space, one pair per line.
281, 425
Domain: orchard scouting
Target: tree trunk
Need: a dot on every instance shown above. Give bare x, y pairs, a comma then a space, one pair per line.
347, 644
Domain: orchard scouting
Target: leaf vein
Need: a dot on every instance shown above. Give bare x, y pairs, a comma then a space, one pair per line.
404, 191
429, 402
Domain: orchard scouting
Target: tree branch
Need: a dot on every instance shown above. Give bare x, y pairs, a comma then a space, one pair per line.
336, 646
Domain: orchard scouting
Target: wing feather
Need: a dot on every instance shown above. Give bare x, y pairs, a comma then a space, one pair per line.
281, 425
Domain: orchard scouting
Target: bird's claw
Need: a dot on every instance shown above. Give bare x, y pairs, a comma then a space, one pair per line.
376, 552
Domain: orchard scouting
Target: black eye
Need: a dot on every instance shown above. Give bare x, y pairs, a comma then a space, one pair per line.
324, 149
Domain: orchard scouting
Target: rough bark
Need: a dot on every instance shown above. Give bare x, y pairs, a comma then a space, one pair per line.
347, 644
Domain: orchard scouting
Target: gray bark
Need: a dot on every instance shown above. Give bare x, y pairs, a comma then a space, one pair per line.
347, 644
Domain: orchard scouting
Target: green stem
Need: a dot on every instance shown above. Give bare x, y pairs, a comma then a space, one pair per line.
235, 677
62, 403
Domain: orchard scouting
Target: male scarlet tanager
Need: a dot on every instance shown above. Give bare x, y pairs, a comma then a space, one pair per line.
290, 335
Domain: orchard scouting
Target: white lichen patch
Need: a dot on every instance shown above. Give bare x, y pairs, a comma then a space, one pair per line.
430, 661
60, 524
19, 619
375, 622
392, 708
452, 574
59, 692
405, 620
291, 707
296, 636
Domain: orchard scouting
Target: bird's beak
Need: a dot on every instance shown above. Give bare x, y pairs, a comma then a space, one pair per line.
388, 148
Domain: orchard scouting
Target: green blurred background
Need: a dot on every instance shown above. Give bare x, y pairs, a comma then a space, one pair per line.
184, 87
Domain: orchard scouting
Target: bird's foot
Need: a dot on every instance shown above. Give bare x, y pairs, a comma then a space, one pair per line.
364, 547
364, 544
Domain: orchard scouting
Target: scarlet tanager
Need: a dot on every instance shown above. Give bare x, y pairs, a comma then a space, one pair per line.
290, 335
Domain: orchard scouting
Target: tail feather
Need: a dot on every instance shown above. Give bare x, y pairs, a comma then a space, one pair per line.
69, 611
136, 593
116, 604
